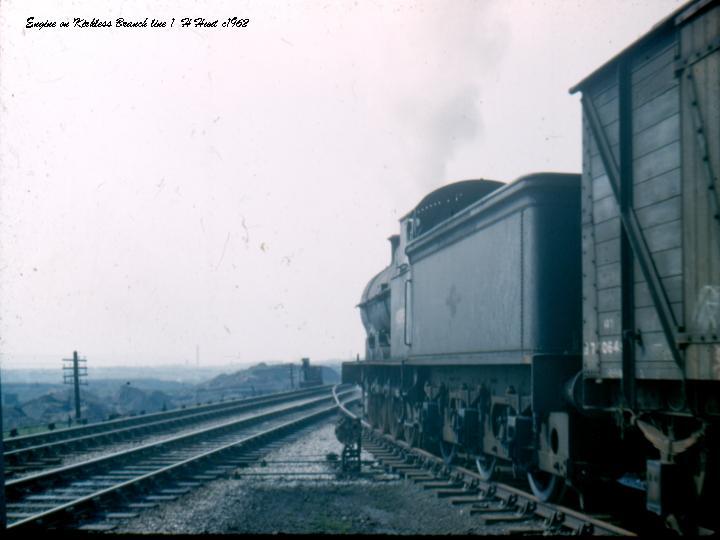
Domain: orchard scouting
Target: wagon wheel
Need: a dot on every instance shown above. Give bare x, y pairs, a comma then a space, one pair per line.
545, 486
485, 464
448, 451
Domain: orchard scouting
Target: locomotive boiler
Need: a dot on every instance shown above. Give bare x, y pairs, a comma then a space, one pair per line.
566, 326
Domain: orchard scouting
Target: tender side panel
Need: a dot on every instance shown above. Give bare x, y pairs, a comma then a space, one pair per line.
467, 297
701, 235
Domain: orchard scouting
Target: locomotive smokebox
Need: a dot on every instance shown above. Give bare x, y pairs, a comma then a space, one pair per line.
375, 313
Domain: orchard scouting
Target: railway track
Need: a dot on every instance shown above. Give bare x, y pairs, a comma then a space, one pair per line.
41, 451
493, 502
118, 484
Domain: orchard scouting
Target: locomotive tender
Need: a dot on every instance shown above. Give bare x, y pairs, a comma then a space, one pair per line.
567, 325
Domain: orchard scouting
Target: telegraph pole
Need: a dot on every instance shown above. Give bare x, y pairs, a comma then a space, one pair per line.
72, 374
292, 377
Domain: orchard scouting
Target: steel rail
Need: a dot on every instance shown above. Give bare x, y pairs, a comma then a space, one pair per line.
95, 497
344, 410
559, 516
15, 457
51, 476
15, 443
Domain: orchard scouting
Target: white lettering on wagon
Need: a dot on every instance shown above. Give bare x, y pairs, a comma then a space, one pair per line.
707, 308
607, 346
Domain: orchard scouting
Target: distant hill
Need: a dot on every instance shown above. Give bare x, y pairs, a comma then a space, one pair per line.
57, 407
38, 397
132, 400
264, 378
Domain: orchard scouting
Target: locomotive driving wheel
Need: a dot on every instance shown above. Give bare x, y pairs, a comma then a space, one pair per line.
485, 464
546, 486
448, 451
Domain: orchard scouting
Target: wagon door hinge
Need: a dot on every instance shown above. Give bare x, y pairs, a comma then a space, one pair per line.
633, 335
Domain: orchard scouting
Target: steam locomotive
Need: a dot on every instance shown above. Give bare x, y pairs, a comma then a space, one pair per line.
566, 326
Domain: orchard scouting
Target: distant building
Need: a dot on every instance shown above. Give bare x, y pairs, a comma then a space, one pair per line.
311, 375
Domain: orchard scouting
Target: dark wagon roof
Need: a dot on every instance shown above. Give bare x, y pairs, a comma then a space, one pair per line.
681, 14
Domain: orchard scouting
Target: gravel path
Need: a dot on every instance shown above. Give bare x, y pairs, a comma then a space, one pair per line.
284, 502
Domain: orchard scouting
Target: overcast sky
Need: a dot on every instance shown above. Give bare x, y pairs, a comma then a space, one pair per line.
233, 188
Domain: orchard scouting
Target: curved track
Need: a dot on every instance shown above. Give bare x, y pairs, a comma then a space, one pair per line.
68, 494
44, 450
